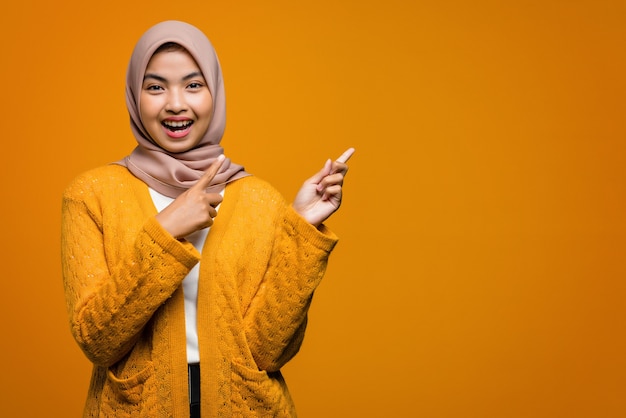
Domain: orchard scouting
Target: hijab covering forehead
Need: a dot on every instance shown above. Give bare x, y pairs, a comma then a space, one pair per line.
168, 173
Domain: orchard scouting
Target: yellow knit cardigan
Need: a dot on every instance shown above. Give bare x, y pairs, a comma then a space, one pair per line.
122, 273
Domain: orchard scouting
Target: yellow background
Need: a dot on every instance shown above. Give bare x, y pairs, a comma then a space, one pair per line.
481, 266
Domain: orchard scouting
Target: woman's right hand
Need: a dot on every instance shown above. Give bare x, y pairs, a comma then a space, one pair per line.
195, 208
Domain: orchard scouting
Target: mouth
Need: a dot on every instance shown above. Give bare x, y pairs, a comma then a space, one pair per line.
177, 128
176, 125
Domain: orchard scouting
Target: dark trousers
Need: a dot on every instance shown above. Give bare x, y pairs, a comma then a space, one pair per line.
194, 390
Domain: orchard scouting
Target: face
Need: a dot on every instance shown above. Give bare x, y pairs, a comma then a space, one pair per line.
176, 105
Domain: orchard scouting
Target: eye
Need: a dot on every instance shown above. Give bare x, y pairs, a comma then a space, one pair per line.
153, 87
195, 85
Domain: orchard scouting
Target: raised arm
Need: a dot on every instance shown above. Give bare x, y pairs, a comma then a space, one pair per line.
277, 317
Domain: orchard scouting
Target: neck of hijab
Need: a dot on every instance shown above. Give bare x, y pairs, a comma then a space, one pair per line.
172, 174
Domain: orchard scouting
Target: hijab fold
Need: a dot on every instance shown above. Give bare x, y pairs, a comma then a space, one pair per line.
168, 173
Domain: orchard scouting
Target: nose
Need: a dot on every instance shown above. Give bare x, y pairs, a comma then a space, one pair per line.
175, 102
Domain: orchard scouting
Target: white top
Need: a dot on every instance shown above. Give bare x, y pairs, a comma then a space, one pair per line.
190, 283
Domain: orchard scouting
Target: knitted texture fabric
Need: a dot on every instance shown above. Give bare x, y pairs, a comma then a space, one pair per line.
122, 272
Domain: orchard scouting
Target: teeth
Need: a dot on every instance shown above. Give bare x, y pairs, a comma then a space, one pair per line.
177, 124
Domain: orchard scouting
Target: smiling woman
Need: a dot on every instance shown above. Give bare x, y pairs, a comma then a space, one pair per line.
156, 285
176, 104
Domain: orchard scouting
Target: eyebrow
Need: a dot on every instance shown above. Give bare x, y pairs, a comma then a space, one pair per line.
164, 80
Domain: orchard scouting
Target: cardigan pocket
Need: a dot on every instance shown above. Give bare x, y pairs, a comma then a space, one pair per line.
258, 393
126, 393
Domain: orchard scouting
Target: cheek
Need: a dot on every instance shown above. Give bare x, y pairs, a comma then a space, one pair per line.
148, 109
208, 113
203, 106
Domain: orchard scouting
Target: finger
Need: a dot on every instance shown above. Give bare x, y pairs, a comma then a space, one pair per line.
214, 199
333, 191
210, 173
345, 156
330, 180
338, 167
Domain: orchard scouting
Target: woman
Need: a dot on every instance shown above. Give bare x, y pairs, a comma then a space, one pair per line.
172, 316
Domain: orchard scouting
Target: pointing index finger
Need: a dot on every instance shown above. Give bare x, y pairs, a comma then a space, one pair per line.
345, 156
210, 173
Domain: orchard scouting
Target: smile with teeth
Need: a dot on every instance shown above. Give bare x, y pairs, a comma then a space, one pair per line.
178, 125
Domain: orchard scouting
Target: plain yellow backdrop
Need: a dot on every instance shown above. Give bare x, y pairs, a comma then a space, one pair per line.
481, 266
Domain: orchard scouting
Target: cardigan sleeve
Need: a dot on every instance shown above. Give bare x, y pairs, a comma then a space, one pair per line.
276, 318
109, 303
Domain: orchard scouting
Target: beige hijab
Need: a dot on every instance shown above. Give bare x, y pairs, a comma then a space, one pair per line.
172, 174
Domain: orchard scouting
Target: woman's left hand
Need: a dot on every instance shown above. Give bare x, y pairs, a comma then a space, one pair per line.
320, 196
